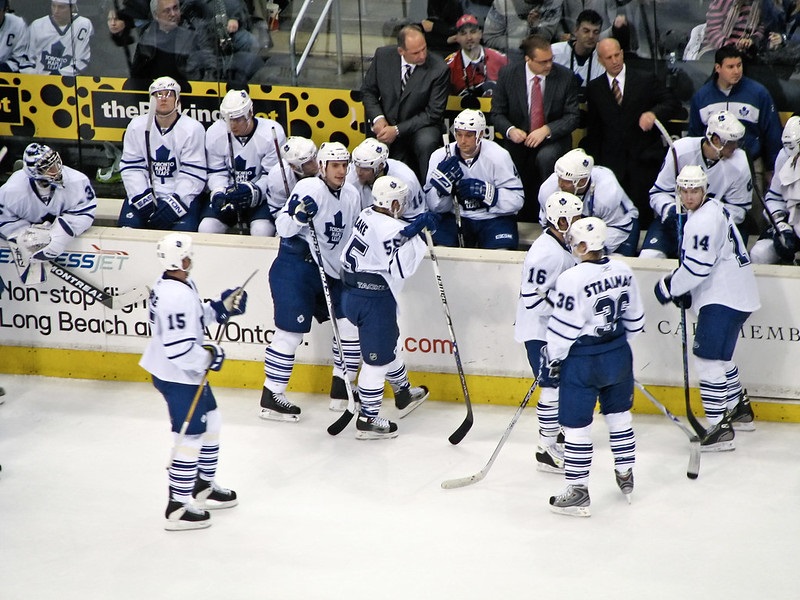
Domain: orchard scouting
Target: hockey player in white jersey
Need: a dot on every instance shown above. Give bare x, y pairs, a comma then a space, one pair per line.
178, 359
546, 259
598, 310
294, 279
715, 279
382, 252
240, 153
780, 242
45, 205
298, 161
479, 175
602, 197
163, 164
370, 161
14, 41
729, 181
60, 42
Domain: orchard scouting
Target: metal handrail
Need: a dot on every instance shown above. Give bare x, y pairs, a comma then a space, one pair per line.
297, 65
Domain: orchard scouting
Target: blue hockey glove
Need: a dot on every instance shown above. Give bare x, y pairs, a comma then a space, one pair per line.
217, 355
426, 220
244, 195
670, 218
474, 194
446, 174
144, 204
549, 370
302, 210
169, 210
235, 303
222, 206
784, 241
664, 294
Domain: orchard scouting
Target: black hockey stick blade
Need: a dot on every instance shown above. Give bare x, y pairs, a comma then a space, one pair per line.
463, 429
338, 426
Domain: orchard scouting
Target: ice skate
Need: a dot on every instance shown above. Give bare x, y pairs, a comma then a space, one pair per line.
208, 495
573, 501
550, 459
375, 428
339, 395
276, 407
181, 517
409, 398
741, 416
718, 438
625, 483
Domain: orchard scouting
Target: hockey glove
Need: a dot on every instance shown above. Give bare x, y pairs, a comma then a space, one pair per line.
244, 195
426, 220
144, 204
222, 206
302, 210
664, 294
169, 210
235, 302
474, 194
446, 174
670, 218
549, 370
34, 238
784, 241
217, 356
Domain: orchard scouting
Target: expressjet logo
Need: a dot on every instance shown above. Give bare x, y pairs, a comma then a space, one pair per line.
9, 105
115, 109
98, 260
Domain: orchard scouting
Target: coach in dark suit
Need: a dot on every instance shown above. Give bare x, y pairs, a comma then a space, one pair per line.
407, 116
621, 134
535, 138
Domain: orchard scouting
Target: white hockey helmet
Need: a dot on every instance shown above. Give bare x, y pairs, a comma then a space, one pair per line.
42, 164
575, 166
165, 84
589, 230
331, 151
724, 125
297, 151
371, 154
470, 119
691, 177
235, 104
172, 249
562, 204
791, 135
386, 190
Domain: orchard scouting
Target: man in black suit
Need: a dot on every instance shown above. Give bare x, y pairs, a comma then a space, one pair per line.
620, 131
408, 116
535, 138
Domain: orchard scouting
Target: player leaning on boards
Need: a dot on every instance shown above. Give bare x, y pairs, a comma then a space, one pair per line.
178, 360
598, 310
715, 279
382, 252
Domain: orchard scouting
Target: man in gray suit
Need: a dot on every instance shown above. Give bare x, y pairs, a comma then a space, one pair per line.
405, 94
535, 141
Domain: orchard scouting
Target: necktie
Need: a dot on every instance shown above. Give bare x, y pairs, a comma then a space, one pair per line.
616, 91
537, 104
404, 79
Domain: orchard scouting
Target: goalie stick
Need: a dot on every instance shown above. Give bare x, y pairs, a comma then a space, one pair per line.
693, 470
470, 479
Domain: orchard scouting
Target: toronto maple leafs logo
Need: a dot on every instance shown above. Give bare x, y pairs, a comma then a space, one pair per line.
55, 59
164, 165
242, 172
335, 231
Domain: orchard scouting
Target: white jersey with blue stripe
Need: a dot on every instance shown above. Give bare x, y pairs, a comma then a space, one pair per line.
416, 203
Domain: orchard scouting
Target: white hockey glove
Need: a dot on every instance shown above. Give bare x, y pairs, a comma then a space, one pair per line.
34, 238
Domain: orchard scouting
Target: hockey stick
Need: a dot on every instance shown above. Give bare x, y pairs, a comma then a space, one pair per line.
462, 430
693, 469
698, 428
456, 205
469, 480
193, 406
232, 175
280, 161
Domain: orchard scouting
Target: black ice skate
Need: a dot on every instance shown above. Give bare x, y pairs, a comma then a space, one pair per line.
719, 438
375, 428
550, 459
339, 395
408, 398
573, 501
209, 495
741, 416
181, 517
276, 407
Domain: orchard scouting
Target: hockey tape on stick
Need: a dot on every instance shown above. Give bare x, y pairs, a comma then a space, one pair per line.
3, 152
693, 470
469, 480
462, 430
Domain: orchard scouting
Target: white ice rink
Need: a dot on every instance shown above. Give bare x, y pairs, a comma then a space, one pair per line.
83, 491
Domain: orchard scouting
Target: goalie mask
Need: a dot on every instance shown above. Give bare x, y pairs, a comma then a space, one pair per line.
299, 151
590, 231
562, 205
172, 249
371, 154
43, 164
386, 191
576, 167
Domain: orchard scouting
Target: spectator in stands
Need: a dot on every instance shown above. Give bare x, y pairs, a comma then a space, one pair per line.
439, 25
535, 107
404, 94
622, 107
14, 40
734, 22
579, 54
59, 42
473, 69
511, 21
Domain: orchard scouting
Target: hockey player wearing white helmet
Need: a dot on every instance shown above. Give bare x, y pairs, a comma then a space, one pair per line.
382, 252
602, 197
298, 160
178, 359
546, 259
598, 310
45, 205
729, 181
332, 205
240, 152
163, 164
480, 176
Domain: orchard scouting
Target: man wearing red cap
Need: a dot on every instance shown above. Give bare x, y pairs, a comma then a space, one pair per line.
473, 69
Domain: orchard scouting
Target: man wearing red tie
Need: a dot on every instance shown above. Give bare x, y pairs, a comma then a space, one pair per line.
535, 107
